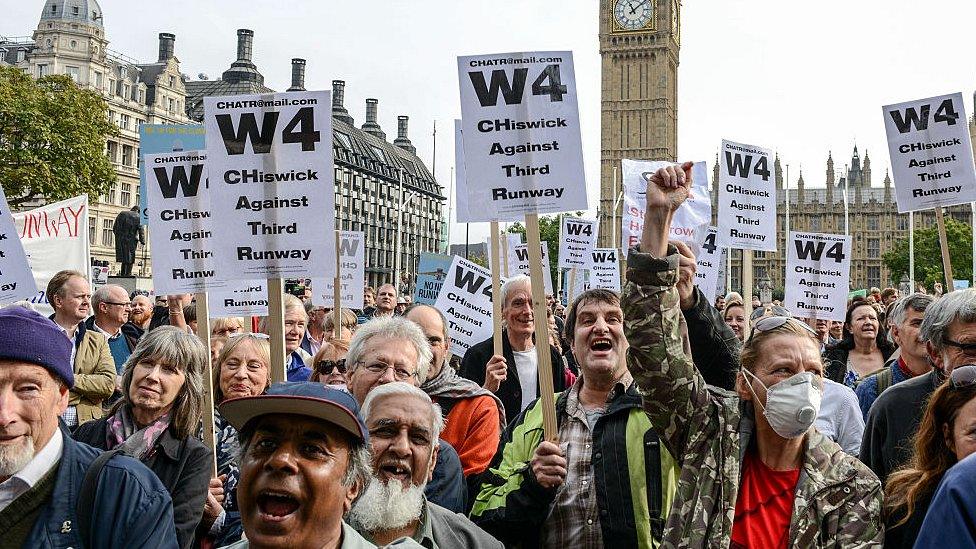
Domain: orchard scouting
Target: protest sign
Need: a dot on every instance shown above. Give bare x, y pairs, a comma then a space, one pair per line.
16, 278
522, 259
164, 138
577, 282
746, 198
272, 184
180, 223
242, 298
521, 136
577, 239
690, 221
99, 275
55, 237
818, 273
431, 272
465, 299
709, 262
460, 181
605, 269
352, 271
931, 153
507, 244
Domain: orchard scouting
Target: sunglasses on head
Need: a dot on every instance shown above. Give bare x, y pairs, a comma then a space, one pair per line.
326, 366
772, 322
775, 309
963, 376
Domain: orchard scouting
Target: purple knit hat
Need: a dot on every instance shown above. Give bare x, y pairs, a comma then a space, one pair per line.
29, 337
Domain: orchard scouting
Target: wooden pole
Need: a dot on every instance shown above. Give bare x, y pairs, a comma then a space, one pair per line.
571, 289
276, 328
911, 251
747, 290
944, 244
203, 332
504, 258
337, 284
496, 291
544, 360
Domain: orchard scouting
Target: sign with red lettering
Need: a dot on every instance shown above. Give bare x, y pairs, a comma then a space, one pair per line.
690, 224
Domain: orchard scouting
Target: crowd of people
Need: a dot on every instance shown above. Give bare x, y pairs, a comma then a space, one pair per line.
680, 421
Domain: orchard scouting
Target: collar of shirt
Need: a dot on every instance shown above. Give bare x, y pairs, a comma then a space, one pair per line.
575, 409
107, 335
425, 532
31, 474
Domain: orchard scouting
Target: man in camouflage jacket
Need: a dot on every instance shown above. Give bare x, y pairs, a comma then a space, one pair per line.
708, 430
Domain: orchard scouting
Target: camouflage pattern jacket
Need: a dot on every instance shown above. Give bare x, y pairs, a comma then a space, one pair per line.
838, 499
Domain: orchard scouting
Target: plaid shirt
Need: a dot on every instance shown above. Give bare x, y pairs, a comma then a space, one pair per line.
574, 518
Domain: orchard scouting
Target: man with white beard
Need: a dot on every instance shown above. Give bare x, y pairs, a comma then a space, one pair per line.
404, 425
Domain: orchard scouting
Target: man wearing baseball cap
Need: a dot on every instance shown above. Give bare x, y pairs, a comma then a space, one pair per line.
43, 472
304, 460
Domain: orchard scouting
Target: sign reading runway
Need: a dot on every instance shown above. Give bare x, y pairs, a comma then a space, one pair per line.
272, 184
931, 153
818, 274
521, 135
577, 240
746, 198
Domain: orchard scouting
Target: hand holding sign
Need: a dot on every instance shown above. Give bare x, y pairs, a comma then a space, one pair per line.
496, 371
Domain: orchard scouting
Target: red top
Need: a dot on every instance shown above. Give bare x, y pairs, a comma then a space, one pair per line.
473, 428
764, 506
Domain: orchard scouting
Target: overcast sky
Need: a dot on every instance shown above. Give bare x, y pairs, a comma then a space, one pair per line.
798, 77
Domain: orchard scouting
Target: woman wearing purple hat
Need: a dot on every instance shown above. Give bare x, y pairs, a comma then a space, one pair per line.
157, 417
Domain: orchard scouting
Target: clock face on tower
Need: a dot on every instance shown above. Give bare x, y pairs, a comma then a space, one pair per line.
632, 15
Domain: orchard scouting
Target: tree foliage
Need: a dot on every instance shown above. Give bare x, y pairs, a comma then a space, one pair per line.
928, 254
52, 138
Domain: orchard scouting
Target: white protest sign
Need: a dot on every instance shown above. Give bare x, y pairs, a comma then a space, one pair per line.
512, 241
465, 299
709, 264
818, 274
180, 223
746, 198
522, 147
604, 269
352, 272
55, 237
272, 184
460, 181
520, 255
931, 153
690, 221
246, 298
577, 239
16, 278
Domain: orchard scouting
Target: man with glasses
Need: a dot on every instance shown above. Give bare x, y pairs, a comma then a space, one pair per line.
389, 349
110, 305
70, 295
949, 332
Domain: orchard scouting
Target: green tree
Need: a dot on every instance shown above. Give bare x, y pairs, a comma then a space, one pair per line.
549, 226
52, 138
928, 254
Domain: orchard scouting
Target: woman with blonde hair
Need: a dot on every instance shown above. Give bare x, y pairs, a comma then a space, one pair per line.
329, 365
347, 325
945, 436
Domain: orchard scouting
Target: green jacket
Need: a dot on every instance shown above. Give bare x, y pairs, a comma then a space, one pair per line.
838, 499
627, 458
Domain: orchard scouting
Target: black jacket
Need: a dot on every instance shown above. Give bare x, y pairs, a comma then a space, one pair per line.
714, 347
835, 356
510, 392
184, 467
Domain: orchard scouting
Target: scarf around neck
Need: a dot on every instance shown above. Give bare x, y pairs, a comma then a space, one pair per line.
123, 432
448, 384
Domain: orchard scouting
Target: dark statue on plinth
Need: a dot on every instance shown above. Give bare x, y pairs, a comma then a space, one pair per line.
128, 235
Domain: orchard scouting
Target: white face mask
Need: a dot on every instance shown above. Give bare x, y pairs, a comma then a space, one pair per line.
792, 405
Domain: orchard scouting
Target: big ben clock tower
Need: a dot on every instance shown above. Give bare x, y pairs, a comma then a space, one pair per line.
639, 43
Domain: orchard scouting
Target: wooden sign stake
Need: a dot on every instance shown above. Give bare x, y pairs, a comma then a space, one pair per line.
504, 260
944, 244
571, 289
203, 332
496, 291
546, 390
276, 329
747, 290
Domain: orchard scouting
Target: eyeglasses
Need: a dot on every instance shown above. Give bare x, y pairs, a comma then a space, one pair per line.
125, 305
772, 322
775, 309
325, 367
958, 345
963, 376
380, 368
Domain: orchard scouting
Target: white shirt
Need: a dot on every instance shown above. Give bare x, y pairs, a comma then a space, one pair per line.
106, 334
527, 366
33, 472
840, 417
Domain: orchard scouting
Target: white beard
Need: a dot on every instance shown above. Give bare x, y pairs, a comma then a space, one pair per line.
384, 507
15, 458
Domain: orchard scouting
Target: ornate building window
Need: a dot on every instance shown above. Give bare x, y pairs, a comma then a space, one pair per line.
126, 195
92, 229
874, 276
107, 239
872, 223
126, 152
901, 222
874, 248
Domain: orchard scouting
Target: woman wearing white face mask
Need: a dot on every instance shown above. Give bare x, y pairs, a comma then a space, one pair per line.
754, 471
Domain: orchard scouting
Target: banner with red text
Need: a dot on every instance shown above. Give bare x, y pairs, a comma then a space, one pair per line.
690, 224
